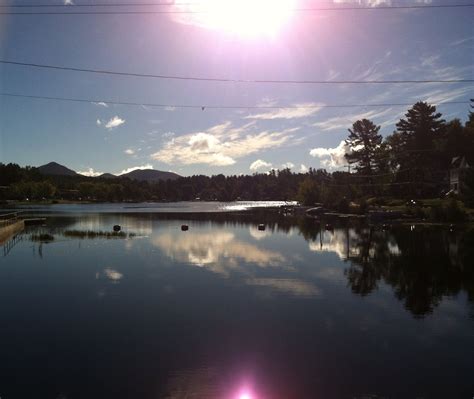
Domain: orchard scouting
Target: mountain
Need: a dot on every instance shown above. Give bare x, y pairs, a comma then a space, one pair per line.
53, 168
107, 176
150, 175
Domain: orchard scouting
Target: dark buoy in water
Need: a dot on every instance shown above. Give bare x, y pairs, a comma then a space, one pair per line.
329, 227
117, 227
184, 227
261, 227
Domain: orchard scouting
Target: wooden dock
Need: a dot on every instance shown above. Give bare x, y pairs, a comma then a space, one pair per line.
10, 225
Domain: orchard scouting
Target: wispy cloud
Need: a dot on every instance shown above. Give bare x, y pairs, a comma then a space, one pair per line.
375, 3
128, 170
302, 110
332, 157
260, 164
90, 173
221, 145
129, 151
345, 121
114, 122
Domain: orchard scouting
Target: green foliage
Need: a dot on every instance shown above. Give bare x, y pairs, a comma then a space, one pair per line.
364, 140
308, 192
97, 234
447, 212
42, 237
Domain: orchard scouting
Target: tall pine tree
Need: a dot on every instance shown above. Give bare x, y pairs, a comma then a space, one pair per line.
364, 140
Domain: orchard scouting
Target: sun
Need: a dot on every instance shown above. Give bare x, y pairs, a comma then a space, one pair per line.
241, 17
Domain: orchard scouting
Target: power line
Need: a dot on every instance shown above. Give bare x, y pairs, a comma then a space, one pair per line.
204, 107
301, 10
224, 80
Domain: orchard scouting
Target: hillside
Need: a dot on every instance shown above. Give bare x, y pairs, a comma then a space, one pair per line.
151, 175
107, 176
55, 169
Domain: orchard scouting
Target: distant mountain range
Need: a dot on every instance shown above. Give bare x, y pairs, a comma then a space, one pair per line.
149, 175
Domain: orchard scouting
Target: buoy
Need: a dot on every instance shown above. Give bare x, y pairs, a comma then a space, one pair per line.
117, 227
184, 227
261, 227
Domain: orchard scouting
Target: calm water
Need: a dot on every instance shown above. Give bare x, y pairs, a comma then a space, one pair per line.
225, 309
160, 207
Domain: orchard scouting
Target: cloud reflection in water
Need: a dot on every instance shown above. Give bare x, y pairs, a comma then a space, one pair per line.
219, 252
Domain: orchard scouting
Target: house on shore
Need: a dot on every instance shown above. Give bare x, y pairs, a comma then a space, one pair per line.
457, 171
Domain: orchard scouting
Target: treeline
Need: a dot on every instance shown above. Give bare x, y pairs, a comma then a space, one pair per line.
413, 162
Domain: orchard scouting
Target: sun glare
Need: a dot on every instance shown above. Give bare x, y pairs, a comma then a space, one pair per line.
242, 17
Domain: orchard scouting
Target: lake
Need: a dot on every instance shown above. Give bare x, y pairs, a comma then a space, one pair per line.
227, 311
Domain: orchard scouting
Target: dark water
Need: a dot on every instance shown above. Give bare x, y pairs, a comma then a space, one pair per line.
224, 310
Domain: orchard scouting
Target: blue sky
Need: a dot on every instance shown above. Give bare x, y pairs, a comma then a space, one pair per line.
344, 45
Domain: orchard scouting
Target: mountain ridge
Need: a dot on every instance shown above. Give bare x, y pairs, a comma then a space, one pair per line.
149, 175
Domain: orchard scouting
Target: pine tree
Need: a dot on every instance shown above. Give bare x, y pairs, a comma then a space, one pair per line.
364, 140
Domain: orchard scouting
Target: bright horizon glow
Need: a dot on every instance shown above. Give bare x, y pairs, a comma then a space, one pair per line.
245, 396
248, 18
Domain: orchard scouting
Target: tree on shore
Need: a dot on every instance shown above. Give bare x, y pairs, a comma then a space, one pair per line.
418, 134
364, 141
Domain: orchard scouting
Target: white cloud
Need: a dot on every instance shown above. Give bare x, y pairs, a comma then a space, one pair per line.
68, 3
101, 104
129, 151
220, 145
99, 122
304, 169
332, 157
147, 166
298, 111
114, 122
260, 164
288, 165
90, 173
293, 287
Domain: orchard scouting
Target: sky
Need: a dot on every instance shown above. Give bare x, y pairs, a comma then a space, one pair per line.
255, 40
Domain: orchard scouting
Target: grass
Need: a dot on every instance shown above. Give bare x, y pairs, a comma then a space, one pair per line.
43, 237
97, 234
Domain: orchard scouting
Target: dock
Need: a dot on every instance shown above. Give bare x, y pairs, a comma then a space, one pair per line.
11, 224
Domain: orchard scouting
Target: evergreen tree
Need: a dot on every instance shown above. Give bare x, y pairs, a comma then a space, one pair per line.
417, 133
364, 141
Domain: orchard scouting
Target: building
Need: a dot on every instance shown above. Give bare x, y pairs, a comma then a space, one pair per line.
457, 171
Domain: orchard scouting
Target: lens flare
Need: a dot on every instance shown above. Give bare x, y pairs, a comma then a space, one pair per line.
242, 17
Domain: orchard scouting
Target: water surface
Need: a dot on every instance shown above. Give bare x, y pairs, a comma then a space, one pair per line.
224, 308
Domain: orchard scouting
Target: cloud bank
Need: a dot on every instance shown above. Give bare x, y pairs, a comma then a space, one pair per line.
221, 145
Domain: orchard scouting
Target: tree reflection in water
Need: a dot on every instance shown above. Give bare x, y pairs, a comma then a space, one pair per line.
423, 265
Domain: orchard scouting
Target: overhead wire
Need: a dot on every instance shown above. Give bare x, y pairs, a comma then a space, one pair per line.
228, 80
207, 106
175, 11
